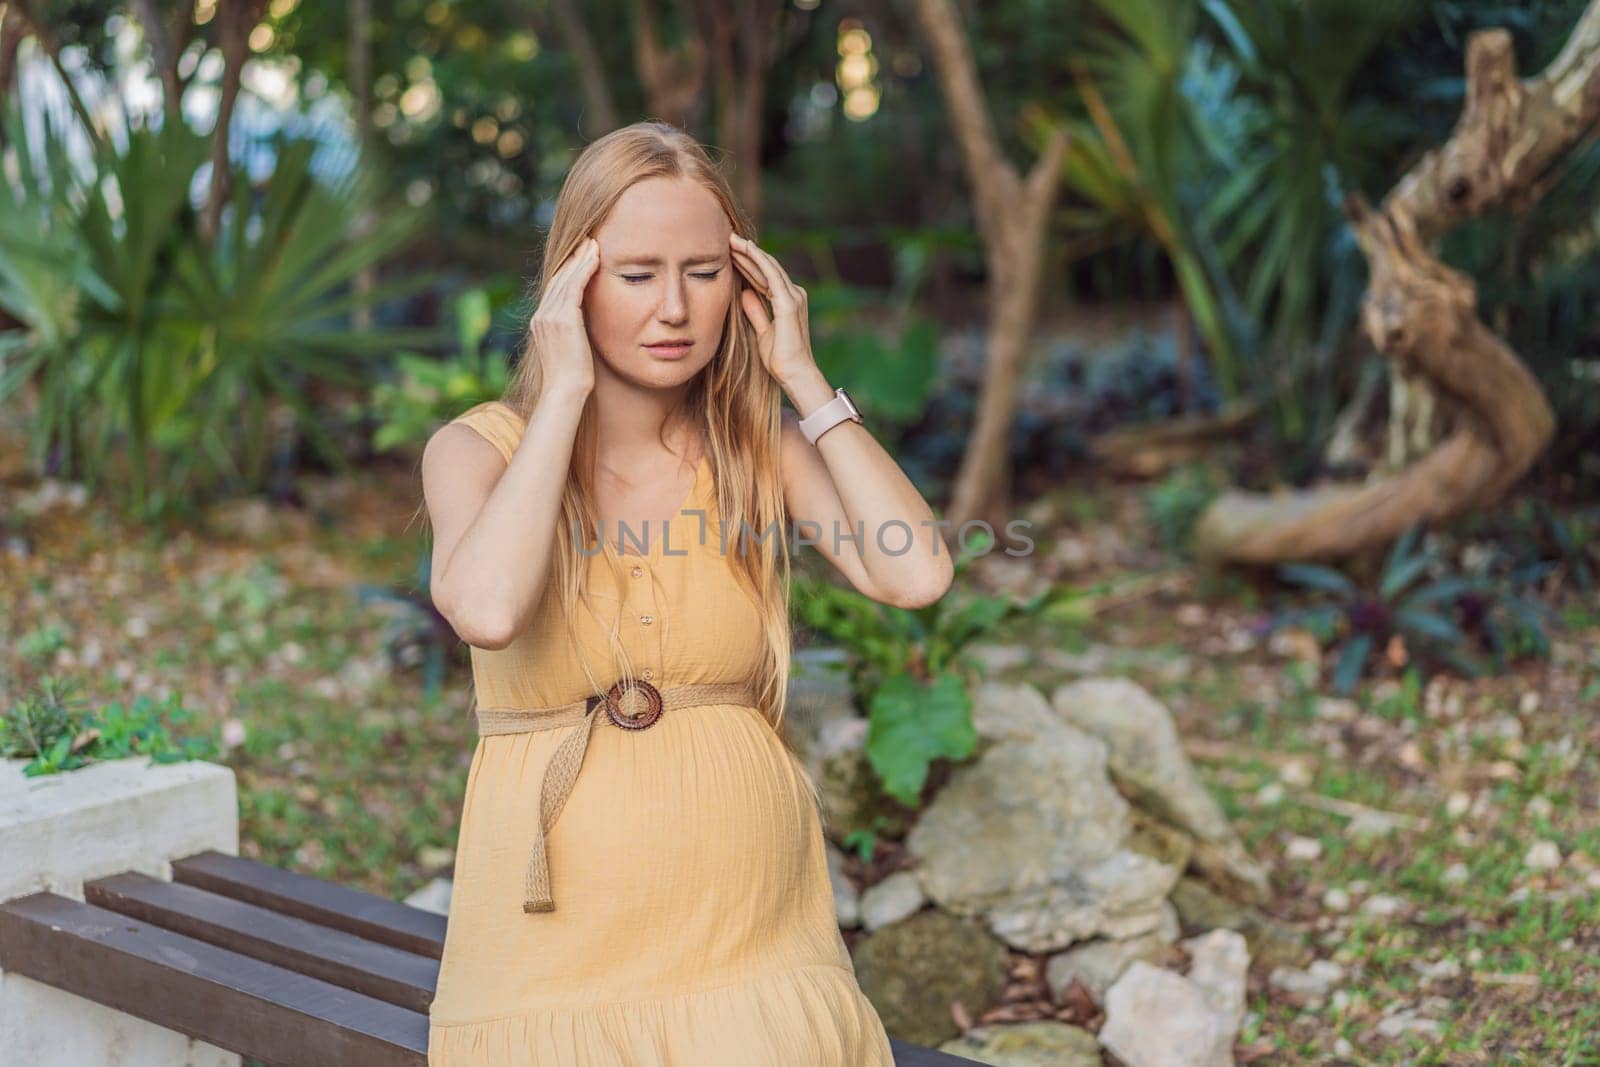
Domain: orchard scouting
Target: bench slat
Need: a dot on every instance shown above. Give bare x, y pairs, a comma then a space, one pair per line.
351, 1005
388, 922
377, 970
257, 1009
921, 1056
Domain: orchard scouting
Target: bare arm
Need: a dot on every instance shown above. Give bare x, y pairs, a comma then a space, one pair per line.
495, 524
868, 519
848, 492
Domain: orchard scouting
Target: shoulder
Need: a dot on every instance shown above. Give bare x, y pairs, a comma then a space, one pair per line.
492, 420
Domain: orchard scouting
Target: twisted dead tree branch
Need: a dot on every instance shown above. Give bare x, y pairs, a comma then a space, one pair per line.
1510, 142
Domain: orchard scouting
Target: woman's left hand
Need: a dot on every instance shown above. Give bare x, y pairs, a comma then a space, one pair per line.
783, 339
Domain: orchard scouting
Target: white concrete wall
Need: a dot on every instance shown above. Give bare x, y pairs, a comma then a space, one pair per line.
58, 831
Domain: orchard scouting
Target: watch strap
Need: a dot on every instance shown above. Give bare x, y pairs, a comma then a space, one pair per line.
839, 409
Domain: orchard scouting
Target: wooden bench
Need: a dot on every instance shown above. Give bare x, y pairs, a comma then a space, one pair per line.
277, 966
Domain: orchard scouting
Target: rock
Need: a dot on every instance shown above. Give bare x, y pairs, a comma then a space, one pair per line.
1147, 759
1437, 970
1151, 837
1202, 908
911, 971
1161, 665
1369, 824
897, 897
1270, 795
994, 660
434, 897
819, 696
1275, 943
1098, 964
1337, 709
1336, 900
1407, 1021
1302, 848
1219, 964
1033, 835
1385, 905
1119, 897
846, 901
1011, 712
1034, 1044
1542, 855
853, 798
1155, 1018
1314, 983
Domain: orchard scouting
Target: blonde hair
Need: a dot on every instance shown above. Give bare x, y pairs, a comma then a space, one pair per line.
734, 401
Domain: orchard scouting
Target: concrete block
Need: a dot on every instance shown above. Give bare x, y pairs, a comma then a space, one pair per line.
58, 831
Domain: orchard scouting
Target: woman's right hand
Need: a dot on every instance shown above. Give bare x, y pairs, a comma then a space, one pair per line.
559, 335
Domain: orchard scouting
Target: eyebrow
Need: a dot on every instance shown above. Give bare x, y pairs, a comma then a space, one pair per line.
656, 261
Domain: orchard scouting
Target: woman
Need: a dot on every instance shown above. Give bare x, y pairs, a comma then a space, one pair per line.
670, 904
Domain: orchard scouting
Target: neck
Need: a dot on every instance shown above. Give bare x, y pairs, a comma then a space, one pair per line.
630, 420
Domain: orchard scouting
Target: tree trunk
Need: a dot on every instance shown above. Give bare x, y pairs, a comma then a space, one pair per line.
1013, 217
602, 117
672, 77
236, 19
741, 40
12, 31
360, 80
168, 35
1421, 315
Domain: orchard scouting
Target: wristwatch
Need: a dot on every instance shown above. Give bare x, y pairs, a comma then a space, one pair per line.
829, 415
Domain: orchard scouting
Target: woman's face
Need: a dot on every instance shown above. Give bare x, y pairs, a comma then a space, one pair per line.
665, 274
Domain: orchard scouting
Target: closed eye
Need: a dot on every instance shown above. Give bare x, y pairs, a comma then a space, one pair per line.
703, 275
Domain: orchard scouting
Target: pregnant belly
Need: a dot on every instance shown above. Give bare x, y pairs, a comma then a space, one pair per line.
687, 852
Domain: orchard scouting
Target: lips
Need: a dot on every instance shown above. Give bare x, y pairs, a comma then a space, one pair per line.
672, 349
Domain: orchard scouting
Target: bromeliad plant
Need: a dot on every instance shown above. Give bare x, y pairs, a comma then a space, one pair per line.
912, 670
1448, 620
164, 365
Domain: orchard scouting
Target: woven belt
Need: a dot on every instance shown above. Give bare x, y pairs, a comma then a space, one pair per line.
634, 709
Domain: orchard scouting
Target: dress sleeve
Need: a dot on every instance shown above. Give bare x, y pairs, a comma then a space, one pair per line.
498, 423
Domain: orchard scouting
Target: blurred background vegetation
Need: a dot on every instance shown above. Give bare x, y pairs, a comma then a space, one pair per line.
252, 254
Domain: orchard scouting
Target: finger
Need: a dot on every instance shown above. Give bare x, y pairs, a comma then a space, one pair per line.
572, 279
777, 281
754, 311
751, 271
557, 288
757, 262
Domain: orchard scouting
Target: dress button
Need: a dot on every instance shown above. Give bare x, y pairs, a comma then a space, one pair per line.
649, 674
646, 620
637, 570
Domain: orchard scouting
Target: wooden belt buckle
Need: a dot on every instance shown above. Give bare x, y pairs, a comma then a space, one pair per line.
646, 717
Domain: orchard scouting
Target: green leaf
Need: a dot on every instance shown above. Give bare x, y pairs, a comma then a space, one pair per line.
911, 724
1352, 660
1317, 576
1401, 573
1429, 624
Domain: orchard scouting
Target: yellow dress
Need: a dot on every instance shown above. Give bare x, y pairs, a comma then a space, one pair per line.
694, 919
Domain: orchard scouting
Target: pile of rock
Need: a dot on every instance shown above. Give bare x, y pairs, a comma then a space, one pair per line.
1065, 838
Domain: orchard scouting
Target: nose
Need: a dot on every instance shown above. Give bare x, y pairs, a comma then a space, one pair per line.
675, 304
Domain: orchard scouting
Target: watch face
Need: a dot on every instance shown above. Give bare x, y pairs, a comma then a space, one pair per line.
855, 412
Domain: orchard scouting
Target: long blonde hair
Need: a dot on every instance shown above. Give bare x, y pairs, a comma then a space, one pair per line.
734, 401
